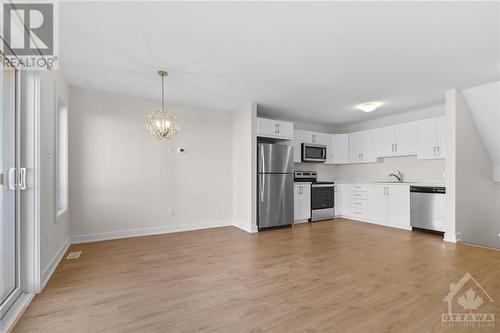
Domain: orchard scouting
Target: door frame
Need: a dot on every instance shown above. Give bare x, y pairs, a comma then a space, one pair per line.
29, 153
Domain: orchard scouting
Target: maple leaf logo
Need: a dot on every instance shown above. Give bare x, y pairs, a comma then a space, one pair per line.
470, 301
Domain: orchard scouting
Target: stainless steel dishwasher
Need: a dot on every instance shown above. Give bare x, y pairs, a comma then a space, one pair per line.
428, 208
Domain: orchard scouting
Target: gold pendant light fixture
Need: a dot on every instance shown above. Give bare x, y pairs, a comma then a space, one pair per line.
160, 124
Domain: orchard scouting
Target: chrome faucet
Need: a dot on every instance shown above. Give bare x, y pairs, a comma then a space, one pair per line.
399, 176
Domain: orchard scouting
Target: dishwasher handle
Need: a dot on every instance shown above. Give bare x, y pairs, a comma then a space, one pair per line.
428, 189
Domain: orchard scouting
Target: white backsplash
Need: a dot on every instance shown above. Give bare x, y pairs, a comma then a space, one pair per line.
413, 170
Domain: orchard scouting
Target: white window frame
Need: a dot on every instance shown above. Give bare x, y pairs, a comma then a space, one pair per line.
61, 157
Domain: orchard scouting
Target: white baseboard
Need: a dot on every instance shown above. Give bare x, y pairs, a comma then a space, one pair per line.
450, 238
15, 312
357, 219
87, 238
51, 267
245, 228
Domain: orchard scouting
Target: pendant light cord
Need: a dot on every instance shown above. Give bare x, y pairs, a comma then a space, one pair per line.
162, 93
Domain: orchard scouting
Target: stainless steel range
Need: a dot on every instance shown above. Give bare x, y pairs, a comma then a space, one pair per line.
322, 195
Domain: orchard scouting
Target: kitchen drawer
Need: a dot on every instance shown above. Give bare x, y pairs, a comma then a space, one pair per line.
359, 195
359, 207
359, 188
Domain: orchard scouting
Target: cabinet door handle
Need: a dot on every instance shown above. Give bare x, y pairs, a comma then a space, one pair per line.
313, 138
396, 147
439, 150
434, 150
388, 193
392, 147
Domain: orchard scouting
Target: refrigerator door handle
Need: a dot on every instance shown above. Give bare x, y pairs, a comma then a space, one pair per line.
261, 188
262, 161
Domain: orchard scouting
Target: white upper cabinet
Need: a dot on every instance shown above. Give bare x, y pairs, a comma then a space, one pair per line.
300, 137
425, 138
361, 147
269, 128
406, 138
432, 138
397, 140
339, 152
442, 128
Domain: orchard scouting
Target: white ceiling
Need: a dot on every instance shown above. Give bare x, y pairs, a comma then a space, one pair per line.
304, 61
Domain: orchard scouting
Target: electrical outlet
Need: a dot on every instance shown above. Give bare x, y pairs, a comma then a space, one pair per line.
171, 212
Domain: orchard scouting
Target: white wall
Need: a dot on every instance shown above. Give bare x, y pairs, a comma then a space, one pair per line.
123, 182
484, 104
474, 200
53, 236
244, 168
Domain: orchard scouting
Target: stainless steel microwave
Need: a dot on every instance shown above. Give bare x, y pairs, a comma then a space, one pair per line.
313, 153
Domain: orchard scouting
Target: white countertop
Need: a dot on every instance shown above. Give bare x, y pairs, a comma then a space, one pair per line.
382, 182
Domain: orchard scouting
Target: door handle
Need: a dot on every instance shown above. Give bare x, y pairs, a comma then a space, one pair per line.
22, 178
261, 189
12, 178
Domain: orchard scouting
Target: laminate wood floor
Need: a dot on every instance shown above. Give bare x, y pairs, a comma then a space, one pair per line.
333, 276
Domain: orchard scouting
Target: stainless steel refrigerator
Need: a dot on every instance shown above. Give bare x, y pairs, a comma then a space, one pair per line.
274, 185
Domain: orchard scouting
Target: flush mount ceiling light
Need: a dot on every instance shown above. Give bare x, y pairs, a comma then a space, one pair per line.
160, 124
369, 107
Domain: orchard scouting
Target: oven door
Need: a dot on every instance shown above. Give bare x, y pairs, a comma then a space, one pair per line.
322, 196
313, 153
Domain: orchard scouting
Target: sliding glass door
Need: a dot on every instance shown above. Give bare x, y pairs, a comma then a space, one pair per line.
10, 185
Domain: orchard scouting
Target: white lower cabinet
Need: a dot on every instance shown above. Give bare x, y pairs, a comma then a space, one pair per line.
337, 200
398, 205
383, 204
302, 202
344, 199
377, 203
